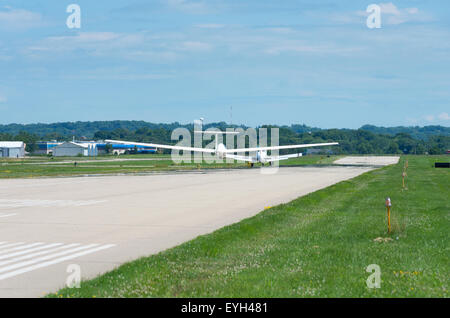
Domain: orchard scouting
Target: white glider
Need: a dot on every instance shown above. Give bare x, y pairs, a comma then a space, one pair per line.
222, 152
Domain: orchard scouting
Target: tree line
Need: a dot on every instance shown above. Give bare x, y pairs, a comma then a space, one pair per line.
366, 140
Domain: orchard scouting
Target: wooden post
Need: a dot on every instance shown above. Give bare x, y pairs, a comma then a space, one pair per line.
389, 218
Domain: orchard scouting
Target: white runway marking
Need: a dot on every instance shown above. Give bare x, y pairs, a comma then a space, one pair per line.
7, 203
6, 244
5, 215
21, 247
19, 258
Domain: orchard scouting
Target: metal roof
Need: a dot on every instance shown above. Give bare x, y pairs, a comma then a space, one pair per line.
72, 143
11, 144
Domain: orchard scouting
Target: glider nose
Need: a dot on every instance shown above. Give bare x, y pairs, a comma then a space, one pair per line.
221, 150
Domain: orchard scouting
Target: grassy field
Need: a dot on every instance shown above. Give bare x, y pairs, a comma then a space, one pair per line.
316, 246
47, 167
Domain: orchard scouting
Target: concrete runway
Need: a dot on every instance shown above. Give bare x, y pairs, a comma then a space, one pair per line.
100, 222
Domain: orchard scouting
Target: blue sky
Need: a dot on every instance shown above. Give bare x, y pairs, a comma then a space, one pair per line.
279, 62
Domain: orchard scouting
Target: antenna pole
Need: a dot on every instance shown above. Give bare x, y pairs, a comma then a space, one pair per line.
231, 115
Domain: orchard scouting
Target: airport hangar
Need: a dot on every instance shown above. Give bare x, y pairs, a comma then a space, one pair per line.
73, 149
12, 149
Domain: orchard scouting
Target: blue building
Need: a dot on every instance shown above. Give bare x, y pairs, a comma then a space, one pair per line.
122, 148
46, 147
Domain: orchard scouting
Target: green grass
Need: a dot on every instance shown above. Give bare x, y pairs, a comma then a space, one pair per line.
42, 166
318, 245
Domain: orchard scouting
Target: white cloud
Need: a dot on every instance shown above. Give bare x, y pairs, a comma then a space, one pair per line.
294, 48
170, 46
134, 46
412, 10
193, 46
87, 37
3, 99
392, 15
188, 6
210, 26
444, 116
152, 55
93, 42
287, 46
18, 19
115, 74
389, 8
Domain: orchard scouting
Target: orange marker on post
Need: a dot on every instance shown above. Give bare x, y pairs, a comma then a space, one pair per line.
388, 206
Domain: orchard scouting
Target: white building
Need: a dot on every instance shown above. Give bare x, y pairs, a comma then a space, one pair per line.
73, 149
12, 149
